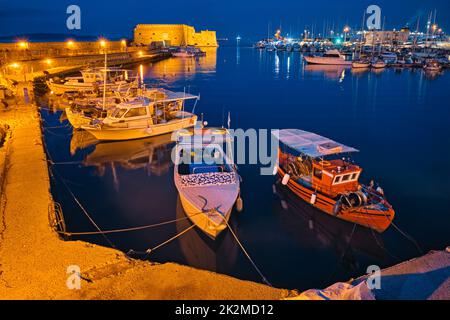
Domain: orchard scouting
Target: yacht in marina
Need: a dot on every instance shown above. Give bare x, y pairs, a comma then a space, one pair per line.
330, 57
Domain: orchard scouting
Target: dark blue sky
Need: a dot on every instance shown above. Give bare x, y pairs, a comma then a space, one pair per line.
249, 18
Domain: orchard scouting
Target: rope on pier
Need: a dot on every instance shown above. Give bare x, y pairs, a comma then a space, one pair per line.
125, 229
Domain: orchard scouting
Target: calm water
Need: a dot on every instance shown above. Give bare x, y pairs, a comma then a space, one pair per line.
397, 119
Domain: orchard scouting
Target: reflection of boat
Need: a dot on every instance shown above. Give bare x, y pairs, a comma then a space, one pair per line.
81, 140
313, 228
153, 154
330, 71
432, 65
203, 253
331, 57
330, 185
92, 80
206, 178
144, 117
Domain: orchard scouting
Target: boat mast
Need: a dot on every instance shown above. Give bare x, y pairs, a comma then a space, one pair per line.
362, 34
104, 81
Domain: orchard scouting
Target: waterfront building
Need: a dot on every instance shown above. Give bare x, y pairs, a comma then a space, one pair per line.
173, 35
387, 37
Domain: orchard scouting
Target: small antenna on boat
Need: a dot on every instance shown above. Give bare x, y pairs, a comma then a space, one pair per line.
229, 120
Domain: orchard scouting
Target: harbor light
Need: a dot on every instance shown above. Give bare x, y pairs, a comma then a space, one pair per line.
48, 61
140, 53
102, 43
23, 44
70, 43
14, 65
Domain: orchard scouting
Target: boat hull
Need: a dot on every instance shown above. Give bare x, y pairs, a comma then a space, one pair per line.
116, 134
360, 65
204, 220
367, 217
77, 120
61, 88
327, 61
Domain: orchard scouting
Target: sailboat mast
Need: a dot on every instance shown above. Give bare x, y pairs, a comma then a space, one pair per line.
104, 81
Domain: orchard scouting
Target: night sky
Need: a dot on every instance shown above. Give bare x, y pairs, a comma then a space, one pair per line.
248, 18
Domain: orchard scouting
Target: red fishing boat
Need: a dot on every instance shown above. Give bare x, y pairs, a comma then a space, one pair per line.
307, 167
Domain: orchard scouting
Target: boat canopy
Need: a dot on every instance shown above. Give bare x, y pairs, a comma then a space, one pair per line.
310, 144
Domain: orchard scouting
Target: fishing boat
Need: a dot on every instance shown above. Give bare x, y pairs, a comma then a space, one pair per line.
144, 116
82, 111
307, 167
330, 57
433, 66
92, 80
206, 178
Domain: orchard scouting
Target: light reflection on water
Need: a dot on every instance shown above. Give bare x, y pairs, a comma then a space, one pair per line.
398, 119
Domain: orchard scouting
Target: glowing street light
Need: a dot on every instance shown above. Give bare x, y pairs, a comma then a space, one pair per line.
14, 65
70, 43
346, 31
23, 44
48, 61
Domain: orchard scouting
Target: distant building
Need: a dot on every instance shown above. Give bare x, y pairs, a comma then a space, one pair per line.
387, 37
173, 35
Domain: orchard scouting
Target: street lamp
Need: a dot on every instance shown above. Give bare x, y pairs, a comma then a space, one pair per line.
346, 31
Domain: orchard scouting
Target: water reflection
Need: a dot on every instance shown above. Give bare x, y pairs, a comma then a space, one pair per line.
315, 229
175, 69
200, 251
330, 72
152, 154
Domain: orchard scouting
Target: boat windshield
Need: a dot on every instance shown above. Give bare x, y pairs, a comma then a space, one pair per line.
202, 160
118, 112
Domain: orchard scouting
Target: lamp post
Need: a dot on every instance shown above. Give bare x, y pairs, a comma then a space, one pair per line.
346, 31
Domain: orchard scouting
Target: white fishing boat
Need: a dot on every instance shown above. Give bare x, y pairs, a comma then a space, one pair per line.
144, 116
330, 57
206, 178
92, 80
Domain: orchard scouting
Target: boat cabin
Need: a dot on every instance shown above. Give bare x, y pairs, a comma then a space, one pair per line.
304, 156
336, 176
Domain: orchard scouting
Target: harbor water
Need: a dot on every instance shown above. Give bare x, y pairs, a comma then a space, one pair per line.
397, 119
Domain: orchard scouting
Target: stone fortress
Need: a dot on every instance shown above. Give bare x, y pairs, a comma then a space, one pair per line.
173, 35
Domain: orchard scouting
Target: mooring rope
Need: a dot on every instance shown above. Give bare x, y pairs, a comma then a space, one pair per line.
148, 251
126, 229
264, 279
79, 204
407, 236
64, 162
